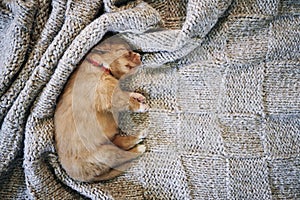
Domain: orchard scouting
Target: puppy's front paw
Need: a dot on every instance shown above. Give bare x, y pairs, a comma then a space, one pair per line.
137, 103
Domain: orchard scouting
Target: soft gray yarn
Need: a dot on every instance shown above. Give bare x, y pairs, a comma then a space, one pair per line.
222, 79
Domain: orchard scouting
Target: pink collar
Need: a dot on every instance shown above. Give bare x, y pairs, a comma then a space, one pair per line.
96, 64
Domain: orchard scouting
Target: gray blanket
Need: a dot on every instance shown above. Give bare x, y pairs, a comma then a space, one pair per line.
222, 79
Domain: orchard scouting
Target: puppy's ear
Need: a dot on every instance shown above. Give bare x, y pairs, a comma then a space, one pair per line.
107, 35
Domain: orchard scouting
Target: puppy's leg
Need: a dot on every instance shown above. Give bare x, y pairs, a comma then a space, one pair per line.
118, 160
113, 172
127, 142
113, 156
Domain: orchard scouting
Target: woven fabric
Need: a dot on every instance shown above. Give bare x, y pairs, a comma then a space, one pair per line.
221, 77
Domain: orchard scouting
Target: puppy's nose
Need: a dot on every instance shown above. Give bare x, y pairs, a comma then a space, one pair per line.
136, 58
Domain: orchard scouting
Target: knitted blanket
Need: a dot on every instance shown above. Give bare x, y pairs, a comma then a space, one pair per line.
221, 77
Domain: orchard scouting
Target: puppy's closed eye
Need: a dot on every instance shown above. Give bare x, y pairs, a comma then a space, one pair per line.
129, 66
100, 51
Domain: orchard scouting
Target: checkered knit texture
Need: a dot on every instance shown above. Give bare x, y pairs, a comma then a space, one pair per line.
221, 76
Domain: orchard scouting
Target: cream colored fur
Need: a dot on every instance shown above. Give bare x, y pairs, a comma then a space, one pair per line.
86, 130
